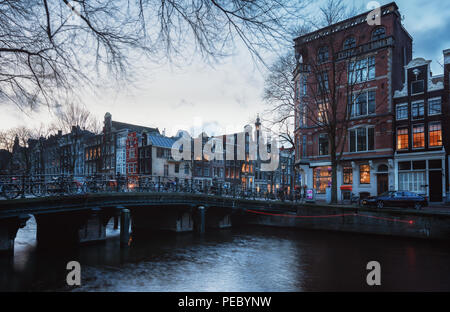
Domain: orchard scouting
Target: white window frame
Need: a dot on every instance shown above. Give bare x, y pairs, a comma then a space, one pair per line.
416, 102
412, 136
366, 127
429, 106
429, 124
397, 109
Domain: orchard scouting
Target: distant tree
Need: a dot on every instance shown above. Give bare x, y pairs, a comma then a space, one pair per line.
47, 47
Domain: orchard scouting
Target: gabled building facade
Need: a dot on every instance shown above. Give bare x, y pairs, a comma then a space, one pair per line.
422, 131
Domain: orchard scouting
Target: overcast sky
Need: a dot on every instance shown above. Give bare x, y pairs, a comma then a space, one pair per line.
228, 96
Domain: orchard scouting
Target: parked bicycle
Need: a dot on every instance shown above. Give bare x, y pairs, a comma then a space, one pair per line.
9, 190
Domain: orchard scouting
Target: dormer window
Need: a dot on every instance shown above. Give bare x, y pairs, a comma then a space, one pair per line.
378, 33
349, 43
322, 55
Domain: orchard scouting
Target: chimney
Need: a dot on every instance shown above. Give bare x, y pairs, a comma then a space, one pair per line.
59, 132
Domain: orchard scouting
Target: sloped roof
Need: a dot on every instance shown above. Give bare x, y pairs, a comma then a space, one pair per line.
161, 141
122, 125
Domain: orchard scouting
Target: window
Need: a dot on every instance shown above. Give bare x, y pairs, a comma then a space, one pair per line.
434, 106
362, 139
323, 144
322, 55
412, 178
347, 175
435, 134
378, 33
305, 86
364, 174
186, 168
361, 70
166, 170
418, 136
417, 110
177, 168
322, 82
363, 104
349, 43
417, 87
304, 146
321, 179
402, 138
322, 112
402, 111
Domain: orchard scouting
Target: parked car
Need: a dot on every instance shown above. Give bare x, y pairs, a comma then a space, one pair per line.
396, 199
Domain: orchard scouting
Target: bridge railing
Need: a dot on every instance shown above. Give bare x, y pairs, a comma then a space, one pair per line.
40, 185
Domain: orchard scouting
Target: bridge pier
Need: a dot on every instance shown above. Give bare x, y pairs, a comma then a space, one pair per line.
178, 219
124, 227
71, 228
201, 220
8, 232
218, 218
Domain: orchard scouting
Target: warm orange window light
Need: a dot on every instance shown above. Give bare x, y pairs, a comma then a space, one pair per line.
435, 134
418, 136
364, 174
402, 139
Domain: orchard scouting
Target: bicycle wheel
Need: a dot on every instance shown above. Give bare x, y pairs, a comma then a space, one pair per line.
11, 191
38, 189
71, 188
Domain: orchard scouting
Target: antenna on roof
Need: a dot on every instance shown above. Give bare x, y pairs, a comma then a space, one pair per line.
164, 132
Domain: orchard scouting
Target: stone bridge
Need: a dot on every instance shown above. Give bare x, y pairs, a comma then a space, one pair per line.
83, 218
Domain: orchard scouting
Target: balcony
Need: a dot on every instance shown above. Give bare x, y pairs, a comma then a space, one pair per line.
365, 48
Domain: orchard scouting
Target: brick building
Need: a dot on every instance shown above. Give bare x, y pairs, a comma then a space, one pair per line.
363, 64
422, 130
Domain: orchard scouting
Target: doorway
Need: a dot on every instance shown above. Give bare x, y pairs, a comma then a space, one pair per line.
435, 183
382, 183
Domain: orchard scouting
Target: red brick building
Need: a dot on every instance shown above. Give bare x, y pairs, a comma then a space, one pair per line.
360, 61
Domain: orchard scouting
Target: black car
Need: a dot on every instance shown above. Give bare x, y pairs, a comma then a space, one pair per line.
396, 199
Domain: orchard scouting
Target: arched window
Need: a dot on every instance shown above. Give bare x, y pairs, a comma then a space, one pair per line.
322, 54
383, 168
378, 33
349, 43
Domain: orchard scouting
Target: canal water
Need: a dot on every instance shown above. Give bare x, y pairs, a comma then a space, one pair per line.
238, 259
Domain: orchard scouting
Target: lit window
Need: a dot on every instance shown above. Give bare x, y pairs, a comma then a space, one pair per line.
418, 136
435, 134
434, 106
402, 138
364, 174
321, 179
322, 112
348, 175
402, 111
417, 110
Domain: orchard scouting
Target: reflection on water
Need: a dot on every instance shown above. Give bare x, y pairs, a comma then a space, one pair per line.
238, 259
